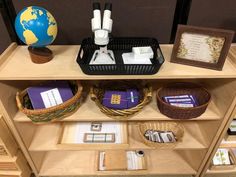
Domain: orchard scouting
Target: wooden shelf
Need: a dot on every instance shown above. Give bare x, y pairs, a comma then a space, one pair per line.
233, 170
90, 112
82, 163
8, 159
229, 142
64, 66
10, 173
46, 139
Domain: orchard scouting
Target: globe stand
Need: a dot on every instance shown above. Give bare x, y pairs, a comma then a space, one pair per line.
40, 55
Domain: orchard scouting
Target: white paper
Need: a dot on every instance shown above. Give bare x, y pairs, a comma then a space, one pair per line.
200, 47
107, 127
101, 161
133, 161
51, 98
128, 58
221, 157
183, 105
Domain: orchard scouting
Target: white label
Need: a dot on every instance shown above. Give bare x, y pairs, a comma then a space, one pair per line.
51, 98
180, 100
178, 96
132, 97
182, 105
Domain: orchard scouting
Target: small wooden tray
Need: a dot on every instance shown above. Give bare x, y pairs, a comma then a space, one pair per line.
118, 165
225, 167
68, 132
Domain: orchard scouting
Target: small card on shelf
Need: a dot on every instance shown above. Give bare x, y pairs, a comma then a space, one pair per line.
222, 157
113, 160
160, 136
96, 126
99, 137
181, 100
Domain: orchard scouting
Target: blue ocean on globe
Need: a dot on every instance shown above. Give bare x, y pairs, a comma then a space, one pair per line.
35, 26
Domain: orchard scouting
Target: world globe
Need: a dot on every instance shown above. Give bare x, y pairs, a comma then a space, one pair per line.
35, 26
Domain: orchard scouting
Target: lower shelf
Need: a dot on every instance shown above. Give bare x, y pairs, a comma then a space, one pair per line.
69, 163
15, 174
229, 142
46, 139
9, 173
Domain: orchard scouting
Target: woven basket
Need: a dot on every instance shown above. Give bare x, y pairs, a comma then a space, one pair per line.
53, 113
201, 94
97, 93
176, 128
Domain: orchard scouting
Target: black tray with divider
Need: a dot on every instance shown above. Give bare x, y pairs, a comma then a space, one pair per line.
120, 46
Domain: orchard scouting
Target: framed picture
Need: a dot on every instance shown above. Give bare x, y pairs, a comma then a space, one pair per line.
201, 47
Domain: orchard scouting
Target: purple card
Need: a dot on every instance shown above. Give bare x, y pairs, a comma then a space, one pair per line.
194, 100
181, 99
50, 94
184, 104
115, 99
132, 97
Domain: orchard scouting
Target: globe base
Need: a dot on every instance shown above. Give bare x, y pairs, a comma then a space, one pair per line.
40, 55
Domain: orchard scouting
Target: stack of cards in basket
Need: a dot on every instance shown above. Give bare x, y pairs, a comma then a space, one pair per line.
186, 101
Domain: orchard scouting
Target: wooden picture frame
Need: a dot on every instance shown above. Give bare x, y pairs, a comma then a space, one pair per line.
201, 47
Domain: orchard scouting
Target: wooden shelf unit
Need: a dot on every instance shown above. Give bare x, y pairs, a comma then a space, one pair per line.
38, 142
12, 160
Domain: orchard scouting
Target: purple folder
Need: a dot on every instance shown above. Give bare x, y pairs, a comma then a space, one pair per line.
115, 100
49, 94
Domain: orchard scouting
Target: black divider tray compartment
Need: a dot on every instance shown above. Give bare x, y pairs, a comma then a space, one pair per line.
120, 46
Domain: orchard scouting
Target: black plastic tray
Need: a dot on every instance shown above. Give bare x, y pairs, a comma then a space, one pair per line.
120, 46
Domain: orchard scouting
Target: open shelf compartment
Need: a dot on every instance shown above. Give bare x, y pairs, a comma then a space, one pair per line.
46, 138
83, 163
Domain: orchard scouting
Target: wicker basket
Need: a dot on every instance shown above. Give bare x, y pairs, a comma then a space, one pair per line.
201, 94
53, 113
176, 128
97, 93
